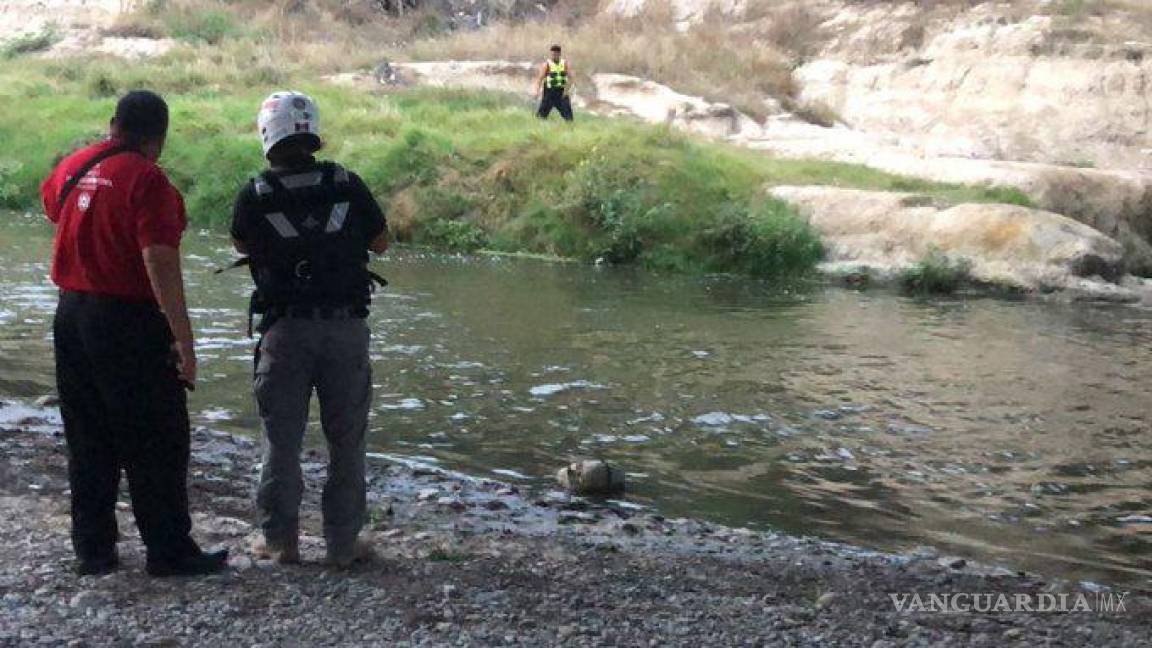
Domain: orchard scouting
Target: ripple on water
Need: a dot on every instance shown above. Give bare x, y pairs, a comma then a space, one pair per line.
405, 404
550, 389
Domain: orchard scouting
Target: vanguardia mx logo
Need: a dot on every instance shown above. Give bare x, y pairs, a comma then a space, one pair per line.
993, 602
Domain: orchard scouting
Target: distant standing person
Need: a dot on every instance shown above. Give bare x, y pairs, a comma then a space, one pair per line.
554, 86
307, 227
124, 351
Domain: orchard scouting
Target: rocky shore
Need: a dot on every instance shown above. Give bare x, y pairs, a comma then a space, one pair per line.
466, 561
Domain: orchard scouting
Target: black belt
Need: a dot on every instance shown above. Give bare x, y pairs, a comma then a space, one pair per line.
319, 312
77, 296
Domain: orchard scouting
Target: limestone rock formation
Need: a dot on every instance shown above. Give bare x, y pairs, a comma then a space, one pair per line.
1006, 245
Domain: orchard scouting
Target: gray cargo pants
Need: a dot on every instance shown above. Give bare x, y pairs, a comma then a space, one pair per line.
297, 356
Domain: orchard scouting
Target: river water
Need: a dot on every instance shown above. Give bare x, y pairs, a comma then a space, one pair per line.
1012, 431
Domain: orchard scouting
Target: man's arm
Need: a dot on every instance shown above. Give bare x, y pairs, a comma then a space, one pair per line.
571, 79
49, 197
540, 79
163, 266
240, 209
370, 216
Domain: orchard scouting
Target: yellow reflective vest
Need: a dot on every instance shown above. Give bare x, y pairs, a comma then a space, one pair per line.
557, 74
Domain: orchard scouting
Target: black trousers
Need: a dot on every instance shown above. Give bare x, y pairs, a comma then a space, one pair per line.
555, 98
124, 409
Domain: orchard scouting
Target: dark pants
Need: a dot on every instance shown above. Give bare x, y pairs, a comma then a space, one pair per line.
555, 98
123, 408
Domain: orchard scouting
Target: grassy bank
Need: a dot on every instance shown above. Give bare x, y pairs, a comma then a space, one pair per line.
458, 170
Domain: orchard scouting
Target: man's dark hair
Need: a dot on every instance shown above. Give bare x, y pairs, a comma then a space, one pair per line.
555, 48
142, 113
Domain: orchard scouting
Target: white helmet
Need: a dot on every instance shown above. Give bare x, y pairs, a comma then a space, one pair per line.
284, 114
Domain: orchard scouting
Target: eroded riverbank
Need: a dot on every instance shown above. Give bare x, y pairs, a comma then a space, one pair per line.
476, 561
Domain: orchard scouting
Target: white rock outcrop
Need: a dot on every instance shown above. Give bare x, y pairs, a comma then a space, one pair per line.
1008, 245
1116, 202
77, 26
506, 76
996, 81
656, 103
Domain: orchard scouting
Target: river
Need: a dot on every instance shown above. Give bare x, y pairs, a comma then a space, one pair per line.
1011, 431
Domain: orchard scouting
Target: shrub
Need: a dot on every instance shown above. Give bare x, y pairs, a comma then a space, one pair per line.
765, 240
936, 274
9, 187
209, 26
451, 235
817, 113
136, 25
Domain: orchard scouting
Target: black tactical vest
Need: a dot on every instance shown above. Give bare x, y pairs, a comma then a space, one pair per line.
304, 252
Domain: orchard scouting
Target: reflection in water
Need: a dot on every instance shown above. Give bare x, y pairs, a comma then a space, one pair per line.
1008, 430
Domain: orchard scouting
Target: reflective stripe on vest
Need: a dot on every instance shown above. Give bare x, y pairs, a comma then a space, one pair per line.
557, 74
279, 220
283, 227
337, 217
300, 180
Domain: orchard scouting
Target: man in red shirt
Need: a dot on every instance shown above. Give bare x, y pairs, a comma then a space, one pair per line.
116, 259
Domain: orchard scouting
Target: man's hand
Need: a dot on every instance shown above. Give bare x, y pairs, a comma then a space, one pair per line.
186, 362
379, 245
163, 266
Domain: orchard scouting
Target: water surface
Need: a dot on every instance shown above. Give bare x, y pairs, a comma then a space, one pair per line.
1010, 431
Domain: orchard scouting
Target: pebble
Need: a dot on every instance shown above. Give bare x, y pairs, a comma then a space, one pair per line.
826, 599
87, 599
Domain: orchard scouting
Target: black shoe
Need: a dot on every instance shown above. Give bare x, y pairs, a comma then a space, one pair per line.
202, 564
97, 566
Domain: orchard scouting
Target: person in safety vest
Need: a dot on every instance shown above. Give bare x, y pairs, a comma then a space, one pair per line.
307, 228
554, 86
123, 342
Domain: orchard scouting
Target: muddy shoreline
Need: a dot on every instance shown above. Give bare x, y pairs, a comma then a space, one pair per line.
469, 561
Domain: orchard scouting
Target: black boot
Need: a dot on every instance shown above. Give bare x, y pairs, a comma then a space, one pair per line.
97, 566
198, 564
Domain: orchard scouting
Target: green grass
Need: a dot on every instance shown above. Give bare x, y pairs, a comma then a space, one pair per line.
457, 170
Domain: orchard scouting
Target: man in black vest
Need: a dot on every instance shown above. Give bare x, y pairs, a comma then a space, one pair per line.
307, 228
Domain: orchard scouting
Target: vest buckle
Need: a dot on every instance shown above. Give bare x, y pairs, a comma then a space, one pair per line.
303, 270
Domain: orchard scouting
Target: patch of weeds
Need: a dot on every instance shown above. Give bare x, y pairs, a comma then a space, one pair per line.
763, 241
817, 113
452, 235
1074, 8
9, 188
41, 41
1009, 196
449, 554
936, 274
210, 26
378, 517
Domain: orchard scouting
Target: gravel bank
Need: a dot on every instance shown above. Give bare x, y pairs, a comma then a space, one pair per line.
476, 562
